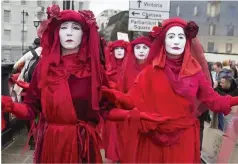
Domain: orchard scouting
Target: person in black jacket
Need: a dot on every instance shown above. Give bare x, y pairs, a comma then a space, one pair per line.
226, 86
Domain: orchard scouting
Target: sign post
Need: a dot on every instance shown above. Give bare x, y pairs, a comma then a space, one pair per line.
144, 15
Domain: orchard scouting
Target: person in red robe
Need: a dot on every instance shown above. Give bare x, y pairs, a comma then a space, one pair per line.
169, 90
65, 90
116, 52
135, 62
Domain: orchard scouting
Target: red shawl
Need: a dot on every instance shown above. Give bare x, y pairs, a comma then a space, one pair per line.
113, 65
88, 52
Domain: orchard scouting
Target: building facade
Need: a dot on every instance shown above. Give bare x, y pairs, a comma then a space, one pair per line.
217, 20
18, 30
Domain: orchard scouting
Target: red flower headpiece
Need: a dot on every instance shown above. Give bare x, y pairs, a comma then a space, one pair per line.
155, 31
190, 28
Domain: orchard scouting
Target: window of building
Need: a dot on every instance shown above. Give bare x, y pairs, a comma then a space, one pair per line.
210, 46
230, 30
228, 47
233, 11
213, 9
6, 56
178, 11
212, 29
7, 34
23, 35
208, 9
80, 5
195, 11
54, 2
39, 3
7, 15
23, 2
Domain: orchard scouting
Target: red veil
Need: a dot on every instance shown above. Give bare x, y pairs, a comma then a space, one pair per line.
130, 67
113, 65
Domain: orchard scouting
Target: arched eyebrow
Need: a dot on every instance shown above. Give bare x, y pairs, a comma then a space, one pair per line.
181, 34
77, 24
65, 23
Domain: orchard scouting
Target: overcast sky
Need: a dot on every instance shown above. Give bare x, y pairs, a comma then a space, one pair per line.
97, 6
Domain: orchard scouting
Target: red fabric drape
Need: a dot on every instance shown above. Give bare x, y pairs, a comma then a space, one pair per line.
150, 97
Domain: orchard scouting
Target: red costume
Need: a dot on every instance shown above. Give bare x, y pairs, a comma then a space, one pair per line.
167, 90
131, 68
113, 71
65, 90
113, 65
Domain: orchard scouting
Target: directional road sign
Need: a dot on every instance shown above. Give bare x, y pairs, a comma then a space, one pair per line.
150, 5
144, 15
148, 14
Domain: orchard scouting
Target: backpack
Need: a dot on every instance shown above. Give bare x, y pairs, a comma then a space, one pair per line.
27, 75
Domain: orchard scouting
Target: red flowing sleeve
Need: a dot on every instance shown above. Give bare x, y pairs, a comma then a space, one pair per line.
210, 98
33, 94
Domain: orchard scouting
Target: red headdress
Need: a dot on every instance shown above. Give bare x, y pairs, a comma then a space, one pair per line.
190, 65
130, 66
111, 61
89, 47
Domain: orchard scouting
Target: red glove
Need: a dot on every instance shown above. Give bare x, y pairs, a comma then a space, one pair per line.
7, 104
22, 84
117, 98
14, 78
120, 114
234, 101
20, 110
112, 85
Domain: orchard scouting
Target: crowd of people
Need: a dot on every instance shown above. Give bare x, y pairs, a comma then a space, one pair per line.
140, 104
225, 78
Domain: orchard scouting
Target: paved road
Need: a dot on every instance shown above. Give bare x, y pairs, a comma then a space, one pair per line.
15, 153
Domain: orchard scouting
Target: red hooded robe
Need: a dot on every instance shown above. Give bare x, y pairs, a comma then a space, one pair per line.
169, 88
113, 70
65, 90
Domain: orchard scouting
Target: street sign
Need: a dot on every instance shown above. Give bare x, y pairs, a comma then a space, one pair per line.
144, 15
148, 14
136, 24
151, 5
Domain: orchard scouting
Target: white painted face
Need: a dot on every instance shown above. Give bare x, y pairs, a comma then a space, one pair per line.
175, 40
119, 52
141, 51
70, 34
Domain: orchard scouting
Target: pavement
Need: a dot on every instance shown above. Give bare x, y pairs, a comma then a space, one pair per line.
16, 152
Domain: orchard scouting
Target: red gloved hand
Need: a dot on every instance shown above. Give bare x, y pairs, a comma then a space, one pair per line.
22, 84
117, 98
20, 110
14, 78
7, 104
112, 85
111, 94
234, 101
